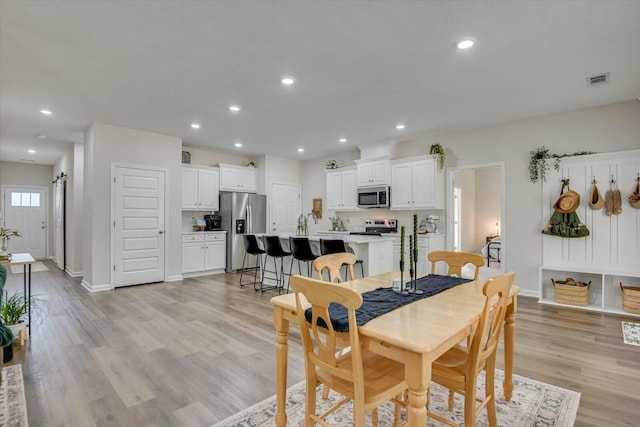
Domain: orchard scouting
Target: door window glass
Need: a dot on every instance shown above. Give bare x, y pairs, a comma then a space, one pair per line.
25, 199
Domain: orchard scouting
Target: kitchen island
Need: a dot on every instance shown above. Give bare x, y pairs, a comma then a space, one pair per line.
376, 252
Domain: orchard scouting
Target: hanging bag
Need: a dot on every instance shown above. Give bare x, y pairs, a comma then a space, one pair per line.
613, 199
634, 196
596, 202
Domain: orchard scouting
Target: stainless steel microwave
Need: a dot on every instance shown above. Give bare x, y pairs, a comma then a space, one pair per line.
373, 197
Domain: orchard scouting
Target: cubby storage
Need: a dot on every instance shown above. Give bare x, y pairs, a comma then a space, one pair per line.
604, 293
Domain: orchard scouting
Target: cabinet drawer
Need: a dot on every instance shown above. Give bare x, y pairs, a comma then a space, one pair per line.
192, 238
214, 237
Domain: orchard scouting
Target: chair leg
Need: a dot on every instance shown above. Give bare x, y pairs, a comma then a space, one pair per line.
244, 258
325, 392
490, 391
470, 401
450, 400
311, 402
258, 270
374, 417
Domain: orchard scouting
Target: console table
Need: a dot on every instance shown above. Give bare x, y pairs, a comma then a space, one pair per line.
25, 260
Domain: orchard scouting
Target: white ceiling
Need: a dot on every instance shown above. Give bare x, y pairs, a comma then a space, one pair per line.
361, 67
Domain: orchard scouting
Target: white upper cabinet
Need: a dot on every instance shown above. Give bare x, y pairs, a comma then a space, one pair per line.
342, 191
200, 188
416, 184
238, 178
373, 172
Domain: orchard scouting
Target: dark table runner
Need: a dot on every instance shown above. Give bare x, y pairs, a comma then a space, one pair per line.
383, 300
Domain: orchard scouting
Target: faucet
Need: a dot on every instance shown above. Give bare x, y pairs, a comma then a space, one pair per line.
315, 218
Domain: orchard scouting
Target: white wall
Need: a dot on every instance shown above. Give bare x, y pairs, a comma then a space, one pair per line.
466, 181
105, 145
487, 208
30, 175
71, 163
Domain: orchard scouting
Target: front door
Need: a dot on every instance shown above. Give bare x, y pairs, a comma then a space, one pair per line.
138, 225
25, 210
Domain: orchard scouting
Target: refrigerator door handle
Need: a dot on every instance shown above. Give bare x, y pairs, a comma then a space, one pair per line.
249, 219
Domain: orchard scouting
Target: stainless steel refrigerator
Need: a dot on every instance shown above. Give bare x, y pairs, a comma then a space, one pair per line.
241, 213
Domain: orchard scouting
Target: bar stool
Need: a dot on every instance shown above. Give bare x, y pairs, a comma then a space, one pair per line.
252, 247
274, 249
301, 251
333, 246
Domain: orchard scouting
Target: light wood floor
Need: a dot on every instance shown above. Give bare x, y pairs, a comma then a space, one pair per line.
192, 353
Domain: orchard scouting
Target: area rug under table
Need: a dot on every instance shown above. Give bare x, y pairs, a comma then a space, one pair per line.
35, 267
13, 406
631, 333
533, 404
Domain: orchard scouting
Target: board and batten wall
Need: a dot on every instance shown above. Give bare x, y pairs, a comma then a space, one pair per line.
105, 145
613, 243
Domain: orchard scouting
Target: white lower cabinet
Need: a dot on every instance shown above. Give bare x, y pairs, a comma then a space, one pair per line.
426, 244
203, 253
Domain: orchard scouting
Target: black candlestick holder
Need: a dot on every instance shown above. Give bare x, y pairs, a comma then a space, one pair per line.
414, 275
403, 290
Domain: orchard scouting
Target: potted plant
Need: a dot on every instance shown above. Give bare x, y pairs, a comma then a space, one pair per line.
5, 235
437, 149
14, 310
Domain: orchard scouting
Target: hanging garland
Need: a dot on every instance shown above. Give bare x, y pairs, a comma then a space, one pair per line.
538, 166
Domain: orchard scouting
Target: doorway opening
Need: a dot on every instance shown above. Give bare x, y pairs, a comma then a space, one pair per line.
476, 211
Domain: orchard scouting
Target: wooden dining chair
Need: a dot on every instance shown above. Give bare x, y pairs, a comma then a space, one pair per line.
459, 367
359, 375
333, 263
455, 261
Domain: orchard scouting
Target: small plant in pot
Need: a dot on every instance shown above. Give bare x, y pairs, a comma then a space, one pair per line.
14, 311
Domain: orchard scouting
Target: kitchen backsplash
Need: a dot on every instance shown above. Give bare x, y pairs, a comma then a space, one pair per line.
354, 221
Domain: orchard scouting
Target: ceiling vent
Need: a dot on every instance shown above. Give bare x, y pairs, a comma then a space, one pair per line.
600, 79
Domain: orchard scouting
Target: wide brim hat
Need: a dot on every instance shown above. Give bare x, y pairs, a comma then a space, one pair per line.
567, 202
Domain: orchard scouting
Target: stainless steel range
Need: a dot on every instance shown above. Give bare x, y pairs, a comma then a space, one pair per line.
378, 227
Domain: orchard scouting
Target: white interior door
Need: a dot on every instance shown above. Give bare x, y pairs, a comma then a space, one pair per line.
25, 210
138, 223
285, 208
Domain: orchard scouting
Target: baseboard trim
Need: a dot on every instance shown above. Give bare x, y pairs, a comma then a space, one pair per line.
73, 273
96, 288
527, 293
177, 278
202, 273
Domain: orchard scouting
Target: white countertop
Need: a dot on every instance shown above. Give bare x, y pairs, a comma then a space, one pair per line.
204, 232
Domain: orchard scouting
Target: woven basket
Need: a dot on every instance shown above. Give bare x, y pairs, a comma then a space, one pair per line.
630, 298
571, 292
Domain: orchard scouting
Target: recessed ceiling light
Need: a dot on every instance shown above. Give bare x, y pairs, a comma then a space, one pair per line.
343, 140
466, 43
46, 112
41, 136
31, 151
400, 126
238, 144
300, 150
234, 108
195, 125
288, 81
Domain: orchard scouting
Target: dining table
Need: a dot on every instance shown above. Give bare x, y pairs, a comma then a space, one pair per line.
415, 334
